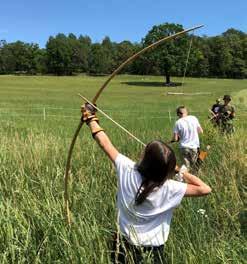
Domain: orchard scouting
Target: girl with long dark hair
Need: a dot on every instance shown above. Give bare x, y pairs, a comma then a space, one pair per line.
146, 196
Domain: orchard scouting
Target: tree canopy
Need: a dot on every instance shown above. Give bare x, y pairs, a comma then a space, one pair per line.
168, 59
223, 56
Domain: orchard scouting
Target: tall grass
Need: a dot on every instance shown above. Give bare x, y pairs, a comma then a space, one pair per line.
32, 160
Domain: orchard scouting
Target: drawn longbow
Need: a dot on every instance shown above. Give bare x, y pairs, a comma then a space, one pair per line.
130, 59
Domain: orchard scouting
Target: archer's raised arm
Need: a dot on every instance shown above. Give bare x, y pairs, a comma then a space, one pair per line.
103, 140
88, 116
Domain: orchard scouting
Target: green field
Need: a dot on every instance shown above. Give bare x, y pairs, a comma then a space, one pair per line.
38, 116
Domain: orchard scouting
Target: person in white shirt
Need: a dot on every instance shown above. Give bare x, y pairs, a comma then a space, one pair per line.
146, 195
186, 131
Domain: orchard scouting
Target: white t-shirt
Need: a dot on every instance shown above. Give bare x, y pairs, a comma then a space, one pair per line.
187, 129
147, 224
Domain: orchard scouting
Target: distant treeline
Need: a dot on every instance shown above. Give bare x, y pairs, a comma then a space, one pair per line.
223, 56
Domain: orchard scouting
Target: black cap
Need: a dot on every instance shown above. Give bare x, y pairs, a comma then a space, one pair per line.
227, 97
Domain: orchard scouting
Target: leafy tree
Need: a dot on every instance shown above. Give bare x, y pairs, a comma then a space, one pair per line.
198, 64
98, 63
170, 57
3, 57
85, 44
75, 49
59, 55
109, 49
18, 57
244, 46
239, 69
124, 50
66, 55
41, 61
235, 40
80, 49
220, 57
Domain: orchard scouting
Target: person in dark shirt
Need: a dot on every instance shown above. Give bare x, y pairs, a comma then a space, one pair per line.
225, 115
215, 108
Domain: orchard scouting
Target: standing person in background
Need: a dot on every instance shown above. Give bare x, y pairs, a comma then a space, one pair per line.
214, 111
215, 107
146, 196
225, 115
186, 131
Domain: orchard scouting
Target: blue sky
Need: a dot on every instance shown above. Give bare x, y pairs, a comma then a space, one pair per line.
35, 21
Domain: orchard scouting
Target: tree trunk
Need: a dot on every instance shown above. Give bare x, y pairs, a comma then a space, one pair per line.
167, 77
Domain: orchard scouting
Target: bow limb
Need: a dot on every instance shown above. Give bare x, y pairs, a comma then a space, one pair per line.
130, 59
67, 173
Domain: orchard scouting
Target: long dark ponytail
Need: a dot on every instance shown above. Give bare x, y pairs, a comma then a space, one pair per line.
157, 165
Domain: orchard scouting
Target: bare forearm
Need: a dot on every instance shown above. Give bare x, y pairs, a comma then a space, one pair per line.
192, 179
195, 186
104, 142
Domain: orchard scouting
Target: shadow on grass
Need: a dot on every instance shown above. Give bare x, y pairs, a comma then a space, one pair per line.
153, 84
98, 74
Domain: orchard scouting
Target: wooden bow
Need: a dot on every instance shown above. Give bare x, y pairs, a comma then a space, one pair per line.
130, 59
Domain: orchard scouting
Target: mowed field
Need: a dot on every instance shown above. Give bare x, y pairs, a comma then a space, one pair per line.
38, 116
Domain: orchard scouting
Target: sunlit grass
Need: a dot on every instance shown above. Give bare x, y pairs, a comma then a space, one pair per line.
32, 161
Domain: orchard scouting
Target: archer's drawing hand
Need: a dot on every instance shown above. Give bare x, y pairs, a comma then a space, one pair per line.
88, 113
180, 174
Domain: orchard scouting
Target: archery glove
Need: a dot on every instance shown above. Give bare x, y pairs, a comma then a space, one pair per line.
88, 113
